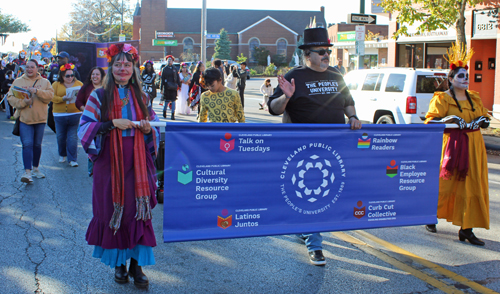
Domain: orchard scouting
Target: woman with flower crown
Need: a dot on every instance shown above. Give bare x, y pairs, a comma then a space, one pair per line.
463, 180
124, 174
66, 114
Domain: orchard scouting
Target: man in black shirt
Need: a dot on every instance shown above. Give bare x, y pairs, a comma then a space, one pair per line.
62, 59
315, 93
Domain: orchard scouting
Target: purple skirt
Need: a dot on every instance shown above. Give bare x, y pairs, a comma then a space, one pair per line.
131, 232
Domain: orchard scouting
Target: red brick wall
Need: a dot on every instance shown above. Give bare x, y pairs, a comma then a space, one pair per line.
152, 10
268, 32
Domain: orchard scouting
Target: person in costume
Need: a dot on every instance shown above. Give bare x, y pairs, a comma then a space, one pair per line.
168, 86
183, 93
33, 46
148, 76
46, 47
195, 88
219, 104
123, 192
66, 115
463, 180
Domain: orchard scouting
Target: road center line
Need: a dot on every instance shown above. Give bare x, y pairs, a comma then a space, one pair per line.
407, 268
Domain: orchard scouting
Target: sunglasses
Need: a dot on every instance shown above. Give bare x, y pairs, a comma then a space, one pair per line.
69, 76
321, 51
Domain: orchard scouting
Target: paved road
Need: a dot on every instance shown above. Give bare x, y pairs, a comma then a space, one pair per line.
43, 229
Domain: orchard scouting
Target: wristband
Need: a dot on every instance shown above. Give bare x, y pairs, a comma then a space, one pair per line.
353, 116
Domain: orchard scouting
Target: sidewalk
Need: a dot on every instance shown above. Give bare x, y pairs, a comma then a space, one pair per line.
492, 142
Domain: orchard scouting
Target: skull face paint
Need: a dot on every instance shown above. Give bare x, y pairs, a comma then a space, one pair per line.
461, 79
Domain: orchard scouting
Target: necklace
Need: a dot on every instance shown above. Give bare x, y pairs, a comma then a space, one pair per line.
126, 99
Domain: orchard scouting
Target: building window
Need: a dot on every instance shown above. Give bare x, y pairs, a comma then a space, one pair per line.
254, 42
281, 47
188, 45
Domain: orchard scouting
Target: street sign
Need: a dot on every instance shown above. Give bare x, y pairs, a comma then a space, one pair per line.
360, 47
360, 33
362, 18
157, 42
213, 36
164, 34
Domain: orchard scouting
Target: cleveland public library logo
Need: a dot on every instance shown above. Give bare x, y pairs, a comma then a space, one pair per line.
392, 169
228, 144
224, 221
364, 142
185, 176
360, 210
313, 178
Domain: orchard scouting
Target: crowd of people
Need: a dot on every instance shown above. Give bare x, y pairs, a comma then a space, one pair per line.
121, 154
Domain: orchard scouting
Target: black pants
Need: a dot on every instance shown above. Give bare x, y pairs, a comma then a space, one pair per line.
242, 95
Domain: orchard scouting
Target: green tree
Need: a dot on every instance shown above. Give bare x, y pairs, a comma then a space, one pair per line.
433, 14
241, 58
223, 46
10, 24
97, 21
260, 55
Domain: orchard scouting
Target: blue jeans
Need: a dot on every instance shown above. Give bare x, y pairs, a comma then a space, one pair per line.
67, 138
31, 139
313, 241
165, 106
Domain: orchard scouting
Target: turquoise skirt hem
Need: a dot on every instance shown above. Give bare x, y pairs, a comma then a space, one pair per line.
116, 257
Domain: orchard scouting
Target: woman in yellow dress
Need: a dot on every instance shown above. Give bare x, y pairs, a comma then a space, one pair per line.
463, 182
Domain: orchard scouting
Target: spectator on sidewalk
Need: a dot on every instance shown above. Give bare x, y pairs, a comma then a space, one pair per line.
32, 113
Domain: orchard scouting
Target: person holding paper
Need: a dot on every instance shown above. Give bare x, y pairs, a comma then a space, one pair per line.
463, 180
66, 114
123, 192
32, 113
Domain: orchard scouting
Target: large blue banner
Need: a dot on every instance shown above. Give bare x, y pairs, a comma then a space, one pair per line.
245, 180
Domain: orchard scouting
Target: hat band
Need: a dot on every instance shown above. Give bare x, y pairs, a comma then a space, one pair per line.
316, 43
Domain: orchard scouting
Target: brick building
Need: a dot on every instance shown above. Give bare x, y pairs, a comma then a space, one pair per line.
277, 30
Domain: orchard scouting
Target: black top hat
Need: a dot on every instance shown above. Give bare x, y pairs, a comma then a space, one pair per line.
315, 37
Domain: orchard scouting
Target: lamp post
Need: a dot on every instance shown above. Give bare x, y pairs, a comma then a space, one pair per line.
204, 32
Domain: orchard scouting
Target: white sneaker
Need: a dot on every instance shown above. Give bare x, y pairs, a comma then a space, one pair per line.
26, 178
73, 163
62, 159
37, 174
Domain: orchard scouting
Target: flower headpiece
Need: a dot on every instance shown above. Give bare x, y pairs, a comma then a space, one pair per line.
169, 56
458, 56
38, 53
147, 61
23, 51
67, 66
46, 44
121, 47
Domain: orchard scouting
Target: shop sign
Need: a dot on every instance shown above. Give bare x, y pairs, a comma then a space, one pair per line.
164, 34
157, 42
485, 23
437, 35
346, 36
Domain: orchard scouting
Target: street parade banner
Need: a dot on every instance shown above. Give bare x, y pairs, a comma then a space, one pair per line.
246, 180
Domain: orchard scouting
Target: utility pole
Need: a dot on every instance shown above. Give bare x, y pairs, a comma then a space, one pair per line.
361, 58
204, 32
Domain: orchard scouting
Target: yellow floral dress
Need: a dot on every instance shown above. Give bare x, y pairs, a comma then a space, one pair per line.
464, 203
221, 107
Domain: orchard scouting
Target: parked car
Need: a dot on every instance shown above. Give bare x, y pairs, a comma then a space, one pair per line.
394, 95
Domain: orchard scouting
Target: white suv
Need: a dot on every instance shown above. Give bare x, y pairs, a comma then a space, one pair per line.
394, 95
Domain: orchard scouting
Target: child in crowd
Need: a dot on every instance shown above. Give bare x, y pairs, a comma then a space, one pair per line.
266, 89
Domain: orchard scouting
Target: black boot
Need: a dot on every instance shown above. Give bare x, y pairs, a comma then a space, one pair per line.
135, 271
469, 235
431, 228
121, 274
172, 117
164, 114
